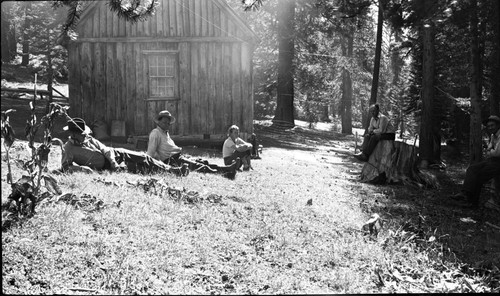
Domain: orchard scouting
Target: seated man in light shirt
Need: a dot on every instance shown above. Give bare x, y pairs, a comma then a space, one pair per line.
380, 129
235, 148
481, 172
162, 147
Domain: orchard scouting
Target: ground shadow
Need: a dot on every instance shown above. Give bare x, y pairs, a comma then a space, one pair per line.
463, 232
297, 138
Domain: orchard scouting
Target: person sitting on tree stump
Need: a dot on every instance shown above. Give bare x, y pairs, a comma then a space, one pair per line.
235, 147
163, 148
380, 129
84, 153
479, 173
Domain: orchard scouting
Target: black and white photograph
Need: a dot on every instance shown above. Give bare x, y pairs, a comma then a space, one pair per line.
250, 147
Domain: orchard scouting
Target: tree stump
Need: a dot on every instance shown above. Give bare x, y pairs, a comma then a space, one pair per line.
395, 162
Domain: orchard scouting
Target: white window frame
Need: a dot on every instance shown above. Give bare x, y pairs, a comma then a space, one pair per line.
159, 72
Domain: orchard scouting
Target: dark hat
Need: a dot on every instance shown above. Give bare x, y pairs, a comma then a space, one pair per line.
77, 125
165, 113
493, 118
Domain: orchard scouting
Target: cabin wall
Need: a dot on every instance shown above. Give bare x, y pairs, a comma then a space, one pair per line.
214, 86
109, 69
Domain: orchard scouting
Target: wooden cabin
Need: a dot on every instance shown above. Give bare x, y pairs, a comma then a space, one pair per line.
193, 58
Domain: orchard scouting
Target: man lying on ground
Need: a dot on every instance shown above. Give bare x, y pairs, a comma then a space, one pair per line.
234, 147
163, 148
82, 152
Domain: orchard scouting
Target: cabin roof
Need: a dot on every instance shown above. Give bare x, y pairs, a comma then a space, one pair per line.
90, 6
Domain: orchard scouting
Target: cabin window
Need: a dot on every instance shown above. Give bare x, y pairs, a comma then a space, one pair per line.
162, 71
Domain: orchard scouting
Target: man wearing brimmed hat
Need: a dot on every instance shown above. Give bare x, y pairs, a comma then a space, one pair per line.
82, 152
162, 147
479, 173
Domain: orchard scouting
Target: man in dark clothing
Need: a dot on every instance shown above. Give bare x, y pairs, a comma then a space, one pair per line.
479, 173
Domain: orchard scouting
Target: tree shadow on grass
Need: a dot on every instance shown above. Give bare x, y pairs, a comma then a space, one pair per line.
297, 138
463, 232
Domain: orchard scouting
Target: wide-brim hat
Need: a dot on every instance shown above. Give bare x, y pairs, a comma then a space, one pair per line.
165, 113
493, 118
77, 125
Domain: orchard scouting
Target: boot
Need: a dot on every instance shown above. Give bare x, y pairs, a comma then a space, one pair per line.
184, 169
230, 171
246, 163
239, 163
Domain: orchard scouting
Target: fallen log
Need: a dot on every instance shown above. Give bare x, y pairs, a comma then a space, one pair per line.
396, 162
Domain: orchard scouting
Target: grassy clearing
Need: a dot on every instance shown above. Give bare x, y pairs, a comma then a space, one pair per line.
254, 235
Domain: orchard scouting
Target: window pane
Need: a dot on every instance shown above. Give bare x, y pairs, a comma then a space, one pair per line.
161, 71
161, 61
169, 71
162, 81
153, 87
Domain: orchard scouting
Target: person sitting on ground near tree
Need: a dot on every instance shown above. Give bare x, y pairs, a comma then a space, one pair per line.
380, 129
481, 172
84, 153
234, 147
163, 148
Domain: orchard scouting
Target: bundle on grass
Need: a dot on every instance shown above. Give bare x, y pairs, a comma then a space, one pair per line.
396, 162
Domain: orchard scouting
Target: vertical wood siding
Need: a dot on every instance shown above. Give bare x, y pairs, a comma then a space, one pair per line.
109, 80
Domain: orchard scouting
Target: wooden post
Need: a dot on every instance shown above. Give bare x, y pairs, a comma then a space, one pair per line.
49, 82
356, 143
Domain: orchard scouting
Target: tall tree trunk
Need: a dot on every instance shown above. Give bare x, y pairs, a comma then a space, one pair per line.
325, 115
475, 147
27, 23
8, 35
284, 113
346, 100
396, 91
495, 86
378, 53
4, 36
376, 64
430, 141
